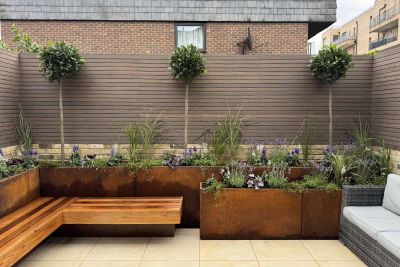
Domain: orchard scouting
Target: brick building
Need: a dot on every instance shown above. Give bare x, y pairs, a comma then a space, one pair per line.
158, 26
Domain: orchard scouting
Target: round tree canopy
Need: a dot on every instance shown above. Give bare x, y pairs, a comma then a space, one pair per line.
59, 60
331, 64
187, 63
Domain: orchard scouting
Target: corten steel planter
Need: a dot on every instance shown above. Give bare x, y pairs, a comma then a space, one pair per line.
86, 182
179, 181
251, 214
18, 190
321, 214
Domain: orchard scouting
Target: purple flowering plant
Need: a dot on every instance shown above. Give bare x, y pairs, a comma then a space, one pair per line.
257, 154
75, 158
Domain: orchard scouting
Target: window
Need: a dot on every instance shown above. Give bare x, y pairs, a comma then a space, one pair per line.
194, 34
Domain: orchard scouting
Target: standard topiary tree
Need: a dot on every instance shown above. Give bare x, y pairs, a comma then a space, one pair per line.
186, 64
330, 65
57, 61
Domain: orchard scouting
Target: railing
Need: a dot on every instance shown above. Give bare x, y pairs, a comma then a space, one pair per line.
386, 15
381, 42
344, 38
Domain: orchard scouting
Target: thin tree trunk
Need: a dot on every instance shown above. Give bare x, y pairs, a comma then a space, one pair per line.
186, 114
330, 116
60, 105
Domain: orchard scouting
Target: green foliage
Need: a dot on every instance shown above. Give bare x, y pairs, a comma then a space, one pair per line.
214, 187
227, 138
277, 182
23, 130
24, 42
59, 60
277, 155
306, 138
331, 64
4, 46
4, 171
96, 163
144, 134
75, 158
318, 181
342, 164
187, 63
49, 164
234, 175
115, 160
372, 52
361, 134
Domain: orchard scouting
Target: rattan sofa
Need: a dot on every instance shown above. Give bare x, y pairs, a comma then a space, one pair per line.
370, 230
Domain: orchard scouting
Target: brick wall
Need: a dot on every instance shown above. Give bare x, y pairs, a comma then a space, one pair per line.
158, 38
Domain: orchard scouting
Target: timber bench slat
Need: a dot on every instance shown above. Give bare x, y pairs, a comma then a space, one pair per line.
22, 230
161, 210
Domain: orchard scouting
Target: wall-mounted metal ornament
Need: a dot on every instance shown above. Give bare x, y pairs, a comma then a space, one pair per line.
247, 43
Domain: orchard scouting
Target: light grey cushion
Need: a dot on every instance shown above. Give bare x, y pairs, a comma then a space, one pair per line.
372, 220
391, 199
390, 241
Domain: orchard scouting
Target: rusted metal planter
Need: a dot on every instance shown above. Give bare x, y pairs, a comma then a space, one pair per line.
269, 214
250, 214
18, 190
179, 181
321, 214
86, 182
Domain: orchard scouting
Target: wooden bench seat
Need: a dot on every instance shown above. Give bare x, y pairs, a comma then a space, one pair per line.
143, 210
22, 230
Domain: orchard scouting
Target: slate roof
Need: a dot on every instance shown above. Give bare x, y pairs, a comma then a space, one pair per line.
320, 11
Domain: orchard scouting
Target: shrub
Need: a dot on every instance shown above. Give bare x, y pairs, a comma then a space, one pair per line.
330, 65
234, 176
187, 63
306, 138
75, 158
24, 42
214, 187
57, 61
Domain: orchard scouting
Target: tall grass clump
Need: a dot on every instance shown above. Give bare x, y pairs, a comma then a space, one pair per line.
306, 138
23, 131
141, 137
361, 134
227, 137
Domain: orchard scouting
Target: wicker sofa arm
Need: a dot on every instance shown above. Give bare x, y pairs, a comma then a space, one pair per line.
362, 195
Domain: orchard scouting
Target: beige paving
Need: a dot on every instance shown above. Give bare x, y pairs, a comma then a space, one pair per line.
187, 250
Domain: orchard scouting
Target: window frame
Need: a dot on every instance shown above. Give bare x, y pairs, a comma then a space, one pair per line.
203, 25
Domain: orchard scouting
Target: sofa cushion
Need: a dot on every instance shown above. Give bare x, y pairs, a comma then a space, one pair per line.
372, 220
391, 199
390, 241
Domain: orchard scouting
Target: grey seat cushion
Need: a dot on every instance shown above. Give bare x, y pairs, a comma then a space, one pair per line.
390, 241
391, 199
373, 220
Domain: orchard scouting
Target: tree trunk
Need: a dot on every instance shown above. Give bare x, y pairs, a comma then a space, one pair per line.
60, 105
330, 116
186, 114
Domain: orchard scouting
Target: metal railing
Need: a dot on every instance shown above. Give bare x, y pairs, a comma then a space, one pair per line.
384, 16
381, 42
344, 38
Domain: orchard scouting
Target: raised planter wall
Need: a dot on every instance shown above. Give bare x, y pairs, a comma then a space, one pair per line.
156, 181
250, 214
18, 190
86, 182
270, 214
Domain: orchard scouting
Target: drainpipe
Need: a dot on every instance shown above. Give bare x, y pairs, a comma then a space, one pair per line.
356, 38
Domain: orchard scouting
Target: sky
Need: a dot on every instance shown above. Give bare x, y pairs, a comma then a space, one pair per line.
346, 10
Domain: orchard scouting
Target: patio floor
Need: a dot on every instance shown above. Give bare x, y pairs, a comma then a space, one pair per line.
187, 250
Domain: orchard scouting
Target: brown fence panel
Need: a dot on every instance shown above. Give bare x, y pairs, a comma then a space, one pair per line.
273, 93
385, 108
9, 96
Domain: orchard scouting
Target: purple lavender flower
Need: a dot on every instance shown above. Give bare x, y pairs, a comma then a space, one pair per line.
190, 152
1, 153
184, 153
326, 151
264, 151
297, 151
30, 153
75, 148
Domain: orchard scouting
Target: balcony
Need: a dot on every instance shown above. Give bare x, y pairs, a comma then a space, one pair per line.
386, 20
345, 41
384, 41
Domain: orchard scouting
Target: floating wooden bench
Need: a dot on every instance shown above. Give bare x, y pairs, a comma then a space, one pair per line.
22, 230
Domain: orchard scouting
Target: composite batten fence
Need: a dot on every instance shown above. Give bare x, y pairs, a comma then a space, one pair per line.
9, 96
273, 93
